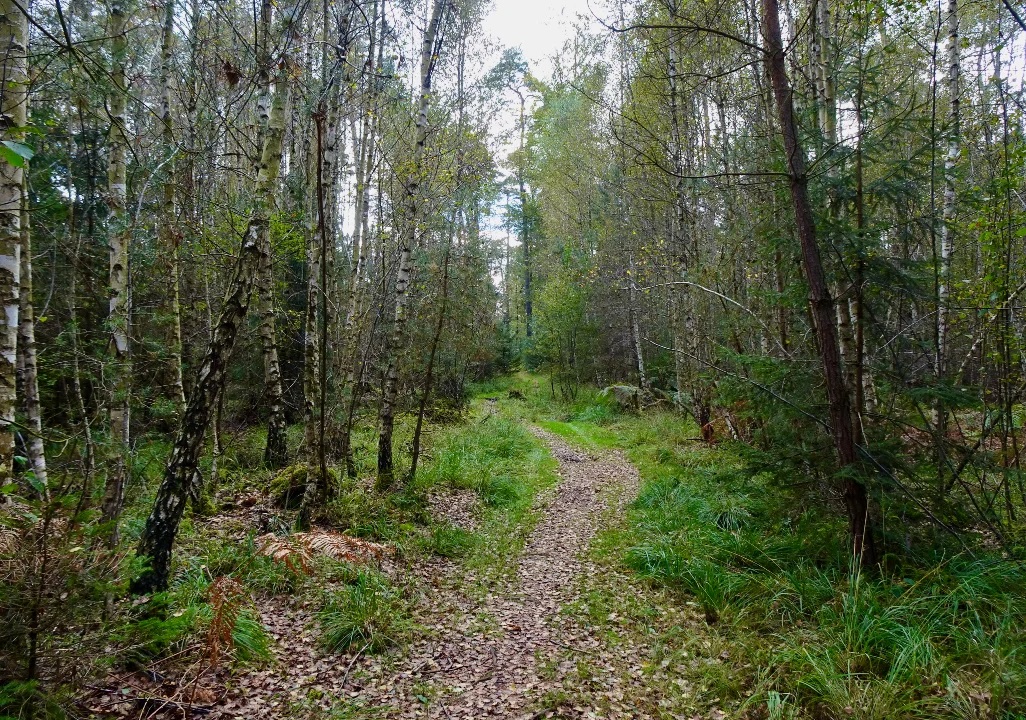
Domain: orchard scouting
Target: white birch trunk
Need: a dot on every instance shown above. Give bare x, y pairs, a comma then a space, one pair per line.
950, 197
27, 352
13, 115
407, 241
117, 369
275, 449
171, 238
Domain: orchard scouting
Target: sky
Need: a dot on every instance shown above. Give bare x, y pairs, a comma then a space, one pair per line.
538, 27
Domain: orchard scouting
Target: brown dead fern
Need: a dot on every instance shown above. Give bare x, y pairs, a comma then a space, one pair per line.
227, 599
297, 551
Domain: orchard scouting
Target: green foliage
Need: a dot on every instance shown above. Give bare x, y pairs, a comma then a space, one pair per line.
368, 613
164, 625
475, 457
451, 542
215, 558
564, 337
26, 699
166, 622
937, 635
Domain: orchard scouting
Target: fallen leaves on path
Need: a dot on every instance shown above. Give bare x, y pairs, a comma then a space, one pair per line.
525, 646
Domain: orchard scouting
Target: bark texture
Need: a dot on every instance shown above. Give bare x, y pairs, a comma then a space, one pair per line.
854, 492
118, 369
276, 449
158, 537
27, 359
13, 115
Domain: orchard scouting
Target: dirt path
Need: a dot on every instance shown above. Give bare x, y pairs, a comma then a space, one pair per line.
503, 655
488, 664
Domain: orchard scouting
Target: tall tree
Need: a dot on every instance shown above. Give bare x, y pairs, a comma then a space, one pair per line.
13, 115
855, 496
410, 231
180, 474
119, 234
276, 447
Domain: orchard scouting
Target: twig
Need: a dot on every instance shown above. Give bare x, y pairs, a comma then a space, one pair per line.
352, 662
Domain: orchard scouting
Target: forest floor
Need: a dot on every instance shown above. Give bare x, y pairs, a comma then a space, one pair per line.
564, 559
516, 646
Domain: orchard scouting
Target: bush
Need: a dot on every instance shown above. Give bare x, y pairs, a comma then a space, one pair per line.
368, 613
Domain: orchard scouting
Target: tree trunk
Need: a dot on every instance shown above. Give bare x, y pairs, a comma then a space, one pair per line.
27, 352
854, 492
171, 238
118, 369
525, 239
947, 237
13, 116
632, 301
276, 447
311, 347
407, 241
158, 537
353, 328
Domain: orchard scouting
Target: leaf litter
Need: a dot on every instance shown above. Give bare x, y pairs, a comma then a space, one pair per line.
520, 649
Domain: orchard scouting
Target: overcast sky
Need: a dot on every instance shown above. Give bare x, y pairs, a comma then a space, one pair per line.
538, 27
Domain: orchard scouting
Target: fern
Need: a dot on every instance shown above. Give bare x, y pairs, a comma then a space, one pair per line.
297, 551
227, 601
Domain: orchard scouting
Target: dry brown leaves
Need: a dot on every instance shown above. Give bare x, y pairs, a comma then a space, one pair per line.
512, 652
298, 550
227, 597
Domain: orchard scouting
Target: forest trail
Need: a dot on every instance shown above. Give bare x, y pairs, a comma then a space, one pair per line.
505, 655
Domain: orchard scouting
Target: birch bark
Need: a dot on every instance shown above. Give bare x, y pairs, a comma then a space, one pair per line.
13, 116
407, 241
118, 369
27, 351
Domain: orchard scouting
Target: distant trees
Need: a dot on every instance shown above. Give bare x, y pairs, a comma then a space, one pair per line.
236, 215
776, 202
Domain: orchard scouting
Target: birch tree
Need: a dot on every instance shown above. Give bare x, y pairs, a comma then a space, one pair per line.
410, 231
118, 368
157, 541
14, 116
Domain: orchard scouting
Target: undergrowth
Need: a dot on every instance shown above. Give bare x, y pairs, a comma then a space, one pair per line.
938, 633
366, 614
220, 574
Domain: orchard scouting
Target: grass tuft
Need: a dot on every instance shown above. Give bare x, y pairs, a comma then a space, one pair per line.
368, 613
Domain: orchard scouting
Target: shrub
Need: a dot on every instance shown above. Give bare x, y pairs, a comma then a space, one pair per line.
369, 613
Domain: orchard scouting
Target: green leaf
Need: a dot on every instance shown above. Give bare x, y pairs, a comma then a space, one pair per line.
38, 485
15, 153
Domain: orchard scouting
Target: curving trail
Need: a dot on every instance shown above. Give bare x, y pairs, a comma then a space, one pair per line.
500, 668
509, 654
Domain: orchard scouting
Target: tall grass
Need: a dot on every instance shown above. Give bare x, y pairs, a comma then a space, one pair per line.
938, 635
368, 613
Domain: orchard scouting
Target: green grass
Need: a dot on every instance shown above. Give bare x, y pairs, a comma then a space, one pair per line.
939, 635
507, 467
368, 613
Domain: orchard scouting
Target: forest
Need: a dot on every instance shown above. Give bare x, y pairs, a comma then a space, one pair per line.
354, 364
